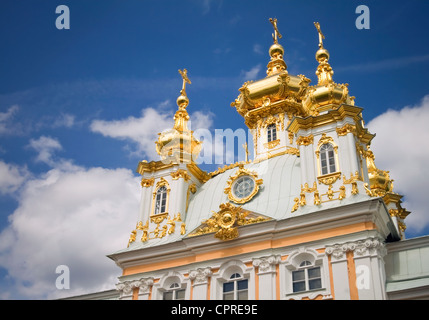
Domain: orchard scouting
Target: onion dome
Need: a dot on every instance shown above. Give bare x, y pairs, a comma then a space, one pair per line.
278, 93
179, 144
327, 94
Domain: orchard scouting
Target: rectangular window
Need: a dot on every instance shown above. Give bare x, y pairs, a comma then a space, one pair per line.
180, 294
168, 295
323, 163
314, 280
298, 280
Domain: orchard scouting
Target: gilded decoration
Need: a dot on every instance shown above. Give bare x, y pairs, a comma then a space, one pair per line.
180, 173
305, 141
146, 183
347, 128
160, 231
229, 189
272, 144
224, 223
329, 179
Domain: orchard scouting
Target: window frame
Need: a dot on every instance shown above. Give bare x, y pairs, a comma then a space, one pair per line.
329, 158
226, 270
162, 183
305, 269
293, 262
235, 279
174, 290
271, 132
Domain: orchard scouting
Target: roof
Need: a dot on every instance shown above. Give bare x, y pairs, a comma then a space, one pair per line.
281, 177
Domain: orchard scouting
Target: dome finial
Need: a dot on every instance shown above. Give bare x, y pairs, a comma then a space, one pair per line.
321, 36
276, 51
324, 71
182, 100
276, 33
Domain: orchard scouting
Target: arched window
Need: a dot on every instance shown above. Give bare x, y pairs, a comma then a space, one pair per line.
175, 292
272, 132
161, 200
306, 277
327, 159
236, 288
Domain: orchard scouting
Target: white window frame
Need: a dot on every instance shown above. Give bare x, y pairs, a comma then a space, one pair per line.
158, 202
305, 268
166, 281
235, 278
224, 274
174, 289
271, 132
293, 262
329, 160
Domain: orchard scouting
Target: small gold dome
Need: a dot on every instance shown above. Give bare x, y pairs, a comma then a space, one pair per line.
276, 49
322, 54
182, 101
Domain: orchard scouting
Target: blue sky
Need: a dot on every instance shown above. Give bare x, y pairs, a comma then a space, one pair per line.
80, 107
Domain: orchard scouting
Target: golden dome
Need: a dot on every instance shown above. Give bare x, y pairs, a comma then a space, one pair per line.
322, 54
182, 101
276, 49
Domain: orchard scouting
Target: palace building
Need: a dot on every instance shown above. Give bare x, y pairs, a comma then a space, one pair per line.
309, 217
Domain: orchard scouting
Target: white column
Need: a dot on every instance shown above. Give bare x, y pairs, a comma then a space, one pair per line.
200, 278
267, 276
352, 153
339, 271
370, 279
144, 286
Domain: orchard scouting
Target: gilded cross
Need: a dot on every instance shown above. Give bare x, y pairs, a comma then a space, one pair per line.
276, 33
321, 36
184, 74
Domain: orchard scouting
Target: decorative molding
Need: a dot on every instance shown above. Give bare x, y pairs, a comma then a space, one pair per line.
305, 141
329, 179
126, 288
272, 144
347, 128
242, 172
201, 275
359, 248
146, 183
224, 223
265, 264
180, 173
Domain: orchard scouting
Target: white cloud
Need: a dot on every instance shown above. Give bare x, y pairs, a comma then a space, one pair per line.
64, 120
45, 147
72, 218
252, 74
143, 131
401, 147
11, 177
257, 49
6, 125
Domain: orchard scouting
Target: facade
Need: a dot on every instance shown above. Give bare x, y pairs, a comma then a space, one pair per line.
309, 217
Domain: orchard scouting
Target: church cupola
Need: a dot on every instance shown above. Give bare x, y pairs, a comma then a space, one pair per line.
168, 184
269, 104
179, 144
327, 94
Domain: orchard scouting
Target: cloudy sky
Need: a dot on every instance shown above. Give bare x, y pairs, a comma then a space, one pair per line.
80, 107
